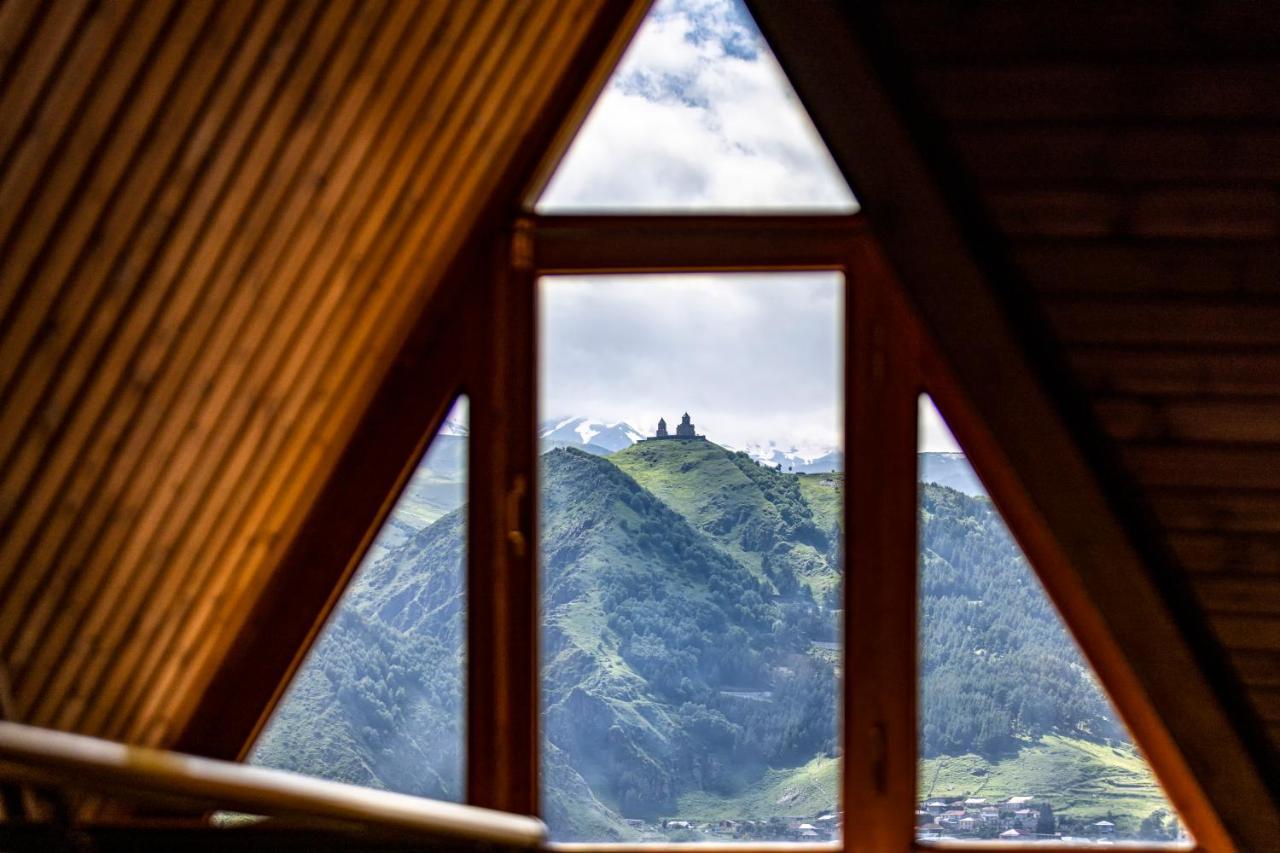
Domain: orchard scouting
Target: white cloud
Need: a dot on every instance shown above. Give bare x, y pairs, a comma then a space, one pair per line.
752, 357
697, 116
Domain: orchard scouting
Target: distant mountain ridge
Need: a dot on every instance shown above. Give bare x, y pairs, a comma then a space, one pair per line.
602, 438
587, 432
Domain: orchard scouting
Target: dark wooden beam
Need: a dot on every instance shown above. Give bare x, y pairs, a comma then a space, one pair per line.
502, 615
691, 243
954, 268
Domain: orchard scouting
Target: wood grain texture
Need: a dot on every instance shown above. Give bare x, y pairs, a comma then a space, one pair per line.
1109, 169
219, 222
1128, 156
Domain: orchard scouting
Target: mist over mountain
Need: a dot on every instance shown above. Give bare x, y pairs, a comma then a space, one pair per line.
690, 644
951, 470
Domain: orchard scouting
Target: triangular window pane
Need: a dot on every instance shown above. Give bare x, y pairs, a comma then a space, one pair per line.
698, 116
379, 699
1018, 741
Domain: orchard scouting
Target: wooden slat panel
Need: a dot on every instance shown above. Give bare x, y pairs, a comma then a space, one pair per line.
1190, 419
1267, 701
1228, 214
180, 379
1151, 267
1258, 668
1228, 510
1036, 156
219, 220
82, 319
229, 353
1040, 29
126, 378
211, 546
1234, 468
1221, 551
17, 24
24, 87
1257, 594
44, 173
1249, 633
50, 321
399, 264
1090, 91
224, 546
1163, 323
1114, 371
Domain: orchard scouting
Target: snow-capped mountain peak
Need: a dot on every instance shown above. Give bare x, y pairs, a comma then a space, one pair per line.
800, 460
589, 433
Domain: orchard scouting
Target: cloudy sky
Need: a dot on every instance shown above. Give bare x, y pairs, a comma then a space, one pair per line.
698, 116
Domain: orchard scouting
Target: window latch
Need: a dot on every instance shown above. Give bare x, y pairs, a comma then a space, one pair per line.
515, 527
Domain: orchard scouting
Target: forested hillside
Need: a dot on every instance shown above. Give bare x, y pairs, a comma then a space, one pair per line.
690, 624
996, 663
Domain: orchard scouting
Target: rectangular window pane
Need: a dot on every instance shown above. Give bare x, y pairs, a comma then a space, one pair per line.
379, 699
690, 560
1018, 741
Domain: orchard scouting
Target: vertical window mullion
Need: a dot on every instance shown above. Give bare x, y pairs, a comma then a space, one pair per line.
879, 773
502, 668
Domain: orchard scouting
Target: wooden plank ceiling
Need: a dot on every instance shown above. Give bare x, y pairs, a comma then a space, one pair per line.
218, 220
1129, 156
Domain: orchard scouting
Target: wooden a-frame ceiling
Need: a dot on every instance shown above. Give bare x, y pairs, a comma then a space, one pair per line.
218, 222
221, 221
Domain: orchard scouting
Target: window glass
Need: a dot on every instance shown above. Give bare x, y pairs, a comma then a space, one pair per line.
379, 699
691, 556
698, 116
1017, 739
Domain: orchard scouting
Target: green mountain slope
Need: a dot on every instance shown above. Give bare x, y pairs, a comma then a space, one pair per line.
378, 701
755, 514
690, 618
996, 663
651, 632
1084, 780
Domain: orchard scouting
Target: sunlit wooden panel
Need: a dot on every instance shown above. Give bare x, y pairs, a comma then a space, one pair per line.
218, 223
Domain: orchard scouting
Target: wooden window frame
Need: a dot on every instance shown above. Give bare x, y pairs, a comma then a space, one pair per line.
888, 362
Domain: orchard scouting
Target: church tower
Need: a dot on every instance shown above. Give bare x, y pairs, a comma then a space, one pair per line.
662, 428
685, 429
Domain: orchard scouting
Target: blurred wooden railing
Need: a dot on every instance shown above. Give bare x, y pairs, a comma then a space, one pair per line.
45, 758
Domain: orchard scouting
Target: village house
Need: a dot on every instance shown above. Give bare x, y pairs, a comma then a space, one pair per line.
728, 827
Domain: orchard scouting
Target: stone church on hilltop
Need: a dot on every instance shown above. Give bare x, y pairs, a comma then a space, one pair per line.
683, 430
